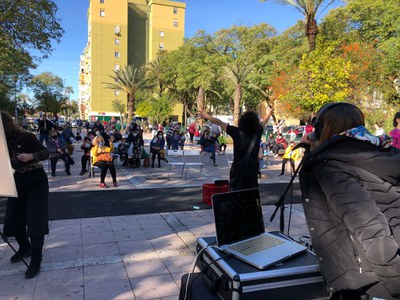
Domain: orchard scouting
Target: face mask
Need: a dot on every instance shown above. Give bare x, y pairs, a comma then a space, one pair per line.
87, 145
60, 132
134, 134
97, 132
111, 132
160, 136
101, 144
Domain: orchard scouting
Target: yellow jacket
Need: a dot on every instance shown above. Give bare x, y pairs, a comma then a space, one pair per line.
295, 155
96, 150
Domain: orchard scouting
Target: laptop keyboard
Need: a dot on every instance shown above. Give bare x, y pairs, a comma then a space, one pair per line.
256, 245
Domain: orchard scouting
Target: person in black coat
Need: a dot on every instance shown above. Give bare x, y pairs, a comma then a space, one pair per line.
351, 198
246, 139
27, 216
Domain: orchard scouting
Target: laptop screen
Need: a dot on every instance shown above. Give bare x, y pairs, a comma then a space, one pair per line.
238, 215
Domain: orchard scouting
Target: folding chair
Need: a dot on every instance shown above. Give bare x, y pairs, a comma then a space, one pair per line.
175, 159
92, 166
188, 164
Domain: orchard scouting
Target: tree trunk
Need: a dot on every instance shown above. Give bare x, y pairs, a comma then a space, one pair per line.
311, 29
200, 102
130, 106
236, 104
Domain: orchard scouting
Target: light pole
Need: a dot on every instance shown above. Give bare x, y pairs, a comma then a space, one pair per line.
15, 99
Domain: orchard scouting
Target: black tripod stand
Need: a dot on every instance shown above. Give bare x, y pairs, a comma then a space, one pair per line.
281, 202
11, 246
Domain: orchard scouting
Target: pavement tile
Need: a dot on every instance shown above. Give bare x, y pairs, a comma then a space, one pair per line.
146, 267
54, 241
98, 237
100, 250
104, 273
131, 247
130, 235
114, 289
154, 287
60, 254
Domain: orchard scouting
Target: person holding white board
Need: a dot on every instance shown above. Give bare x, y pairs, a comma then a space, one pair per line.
27, 215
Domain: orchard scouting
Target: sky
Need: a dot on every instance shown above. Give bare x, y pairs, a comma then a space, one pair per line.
208, 15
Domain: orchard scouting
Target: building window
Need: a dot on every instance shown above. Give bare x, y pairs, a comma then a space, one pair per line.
175, 10
161, 33
117, 92
116, 67
101, 1
117, 30
116, 41
116, 54
175, 23
161, 46
102, 13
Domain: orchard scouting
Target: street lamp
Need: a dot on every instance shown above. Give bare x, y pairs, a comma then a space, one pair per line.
15, 99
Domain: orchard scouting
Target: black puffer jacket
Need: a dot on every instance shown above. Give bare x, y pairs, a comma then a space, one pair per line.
351, 199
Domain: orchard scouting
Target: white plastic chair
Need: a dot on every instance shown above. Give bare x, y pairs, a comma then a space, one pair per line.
175, 159
192, 164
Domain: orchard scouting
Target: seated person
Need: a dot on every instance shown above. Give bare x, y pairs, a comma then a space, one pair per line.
135, 141
281, 143
290, 156
102, 158
157, 145
58, 150
85, 146
207, 143
270, 143
122, 151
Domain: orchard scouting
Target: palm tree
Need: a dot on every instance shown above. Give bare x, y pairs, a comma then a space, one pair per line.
130, 80
237, 73
309, 9
156, 71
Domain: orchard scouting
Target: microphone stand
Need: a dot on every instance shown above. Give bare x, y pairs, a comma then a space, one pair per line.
281, 202
11, 246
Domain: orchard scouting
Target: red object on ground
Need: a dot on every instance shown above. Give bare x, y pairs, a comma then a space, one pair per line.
210, 189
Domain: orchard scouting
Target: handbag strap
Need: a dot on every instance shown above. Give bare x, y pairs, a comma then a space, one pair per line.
251, 146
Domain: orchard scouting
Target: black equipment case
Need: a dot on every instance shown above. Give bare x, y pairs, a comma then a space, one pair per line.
296, 278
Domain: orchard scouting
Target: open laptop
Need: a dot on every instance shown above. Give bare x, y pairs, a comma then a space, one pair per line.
240, 230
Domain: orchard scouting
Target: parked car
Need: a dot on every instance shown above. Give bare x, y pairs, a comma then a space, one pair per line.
293, 133
74, 123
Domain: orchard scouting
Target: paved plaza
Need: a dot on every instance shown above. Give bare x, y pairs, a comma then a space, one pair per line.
127, 257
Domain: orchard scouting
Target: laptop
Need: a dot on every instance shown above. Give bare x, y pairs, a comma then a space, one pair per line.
240, 230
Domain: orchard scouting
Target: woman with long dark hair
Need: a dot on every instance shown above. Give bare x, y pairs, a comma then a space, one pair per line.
351, 198
246, 145
27, 216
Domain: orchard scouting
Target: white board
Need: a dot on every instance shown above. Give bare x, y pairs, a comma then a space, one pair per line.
7, 185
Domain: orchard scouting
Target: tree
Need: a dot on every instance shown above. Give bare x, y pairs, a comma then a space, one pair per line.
48, 92
156, 73
308, 8
237, 73
119, 107
158, 109
130, 80
26, 25
322, 77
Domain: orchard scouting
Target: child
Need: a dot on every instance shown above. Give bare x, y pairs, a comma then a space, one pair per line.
290, 156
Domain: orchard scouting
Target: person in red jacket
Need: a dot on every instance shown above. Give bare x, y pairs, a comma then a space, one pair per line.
281, 143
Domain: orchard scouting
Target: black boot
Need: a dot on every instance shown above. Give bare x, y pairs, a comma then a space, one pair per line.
23, 251
34, 267
36, 259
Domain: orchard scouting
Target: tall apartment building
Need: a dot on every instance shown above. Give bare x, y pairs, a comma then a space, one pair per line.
122, 32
